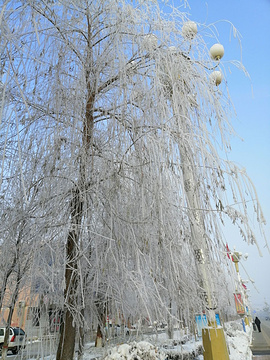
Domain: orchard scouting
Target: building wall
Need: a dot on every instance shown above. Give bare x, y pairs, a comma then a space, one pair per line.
35, 319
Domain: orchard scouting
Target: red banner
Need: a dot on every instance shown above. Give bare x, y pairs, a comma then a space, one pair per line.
239, 304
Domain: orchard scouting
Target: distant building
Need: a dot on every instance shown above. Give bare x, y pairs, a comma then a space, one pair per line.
32, 313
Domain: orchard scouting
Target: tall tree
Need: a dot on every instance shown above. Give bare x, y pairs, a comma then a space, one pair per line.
115, 106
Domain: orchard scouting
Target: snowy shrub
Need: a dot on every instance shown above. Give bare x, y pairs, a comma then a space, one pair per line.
232, 327
136, 351
185, 354
170, 343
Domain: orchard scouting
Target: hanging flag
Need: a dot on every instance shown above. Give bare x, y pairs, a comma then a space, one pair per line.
239, 304
228, 252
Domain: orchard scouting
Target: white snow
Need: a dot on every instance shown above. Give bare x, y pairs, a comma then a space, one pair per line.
155, 347
136, 350
239, 341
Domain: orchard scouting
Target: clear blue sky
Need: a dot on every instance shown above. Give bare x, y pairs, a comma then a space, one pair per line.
251, 98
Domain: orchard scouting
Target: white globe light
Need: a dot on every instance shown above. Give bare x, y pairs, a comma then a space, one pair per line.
173, 48
131, 64
216, 77
217, 51
189, 29
150, 41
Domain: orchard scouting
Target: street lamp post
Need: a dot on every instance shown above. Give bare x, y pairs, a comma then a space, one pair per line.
236, 257
166, 61
214, 342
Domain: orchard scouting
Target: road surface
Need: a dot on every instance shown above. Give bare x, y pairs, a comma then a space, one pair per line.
35, 350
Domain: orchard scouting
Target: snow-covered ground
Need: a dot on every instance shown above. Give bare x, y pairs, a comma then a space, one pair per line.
159, 347
239, 341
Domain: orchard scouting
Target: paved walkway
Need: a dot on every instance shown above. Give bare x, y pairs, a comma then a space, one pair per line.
261, 343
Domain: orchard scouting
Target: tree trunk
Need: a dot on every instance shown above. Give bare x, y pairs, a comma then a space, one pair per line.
5, 280
11, 311
170, 329
99, 337
101, 314
66, 344
12, 266
81, 337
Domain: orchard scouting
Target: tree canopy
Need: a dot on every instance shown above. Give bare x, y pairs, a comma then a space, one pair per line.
112, 135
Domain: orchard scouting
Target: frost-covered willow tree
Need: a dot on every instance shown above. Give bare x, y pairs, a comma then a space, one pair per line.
113, 125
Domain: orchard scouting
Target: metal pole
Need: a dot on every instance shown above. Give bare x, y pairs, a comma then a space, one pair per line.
214, 343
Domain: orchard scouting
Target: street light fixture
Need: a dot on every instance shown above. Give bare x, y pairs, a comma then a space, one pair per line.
150, 42
236, 257
217, 52
216, 77
189, 30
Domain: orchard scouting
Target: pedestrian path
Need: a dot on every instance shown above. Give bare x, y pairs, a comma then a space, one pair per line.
261, 344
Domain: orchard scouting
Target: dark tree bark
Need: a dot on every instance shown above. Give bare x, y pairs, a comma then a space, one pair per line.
101, 315
10, 314
81, 337
99, 337
66, 344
